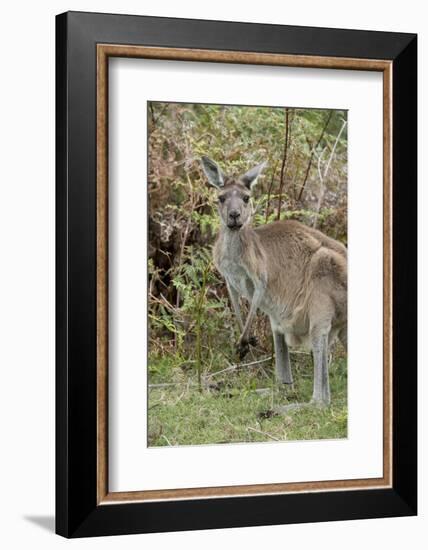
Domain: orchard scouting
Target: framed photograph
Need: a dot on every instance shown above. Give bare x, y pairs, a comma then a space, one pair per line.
218, 362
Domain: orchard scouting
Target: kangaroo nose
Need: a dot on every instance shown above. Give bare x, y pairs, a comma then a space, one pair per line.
234, 214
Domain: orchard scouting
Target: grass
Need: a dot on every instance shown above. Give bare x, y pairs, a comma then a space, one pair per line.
238, 406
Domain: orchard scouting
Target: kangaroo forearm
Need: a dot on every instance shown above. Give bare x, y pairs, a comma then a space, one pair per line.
255, 303
234, 298
239, 317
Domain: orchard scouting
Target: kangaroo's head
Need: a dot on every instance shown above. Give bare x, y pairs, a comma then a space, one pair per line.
234, 194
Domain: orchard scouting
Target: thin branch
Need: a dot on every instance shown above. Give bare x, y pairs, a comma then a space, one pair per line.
270, 191
152, 114
334, 149
284, 161
263, 433
240, 366
166, 385
167, 440
322, 176
263, 391
185, 235
164, 302
308, 169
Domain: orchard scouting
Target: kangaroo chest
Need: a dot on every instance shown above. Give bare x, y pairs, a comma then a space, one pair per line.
228, 254
295, 329
236, 276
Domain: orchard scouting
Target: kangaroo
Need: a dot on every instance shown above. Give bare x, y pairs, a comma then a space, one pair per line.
293, 273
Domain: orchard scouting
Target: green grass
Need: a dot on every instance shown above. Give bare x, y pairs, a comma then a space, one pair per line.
239, 406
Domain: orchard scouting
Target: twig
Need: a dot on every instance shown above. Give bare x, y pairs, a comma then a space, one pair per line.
155, 119
163, 302
167, 440
308, 169
152, 113
270, 191
334, 149
183, 244
263, 433
166, 385
322, 175
189, 383
240, 366
181, 395
284, 162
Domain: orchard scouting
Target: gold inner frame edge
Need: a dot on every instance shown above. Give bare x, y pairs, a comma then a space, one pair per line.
104, 51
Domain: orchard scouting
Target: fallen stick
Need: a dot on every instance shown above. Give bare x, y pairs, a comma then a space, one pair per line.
167, 440
263, 433
262, 391
240, 366
167, 385
259, 391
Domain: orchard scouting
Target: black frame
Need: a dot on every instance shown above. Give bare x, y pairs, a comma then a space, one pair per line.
77, 513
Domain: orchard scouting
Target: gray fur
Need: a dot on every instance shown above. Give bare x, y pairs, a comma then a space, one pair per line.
293, 273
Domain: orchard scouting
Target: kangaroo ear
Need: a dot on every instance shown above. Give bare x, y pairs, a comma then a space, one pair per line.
250, 177
213, 172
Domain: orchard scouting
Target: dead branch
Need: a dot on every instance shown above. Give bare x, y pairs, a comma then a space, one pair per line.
263, 391
263, 433
163, 301
270, 191
167, 440
322, 174
284, 161
308, 169
240, 366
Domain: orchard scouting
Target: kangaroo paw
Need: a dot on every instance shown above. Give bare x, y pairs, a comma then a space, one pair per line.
253, 341
243, 348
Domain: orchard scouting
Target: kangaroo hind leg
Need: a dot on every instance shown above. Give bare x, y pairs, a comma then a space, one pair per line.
320, 327
282, 357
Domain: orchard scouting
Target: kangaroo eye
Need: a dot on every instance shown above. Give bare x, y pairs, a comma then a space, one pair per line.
246, 198
221, 199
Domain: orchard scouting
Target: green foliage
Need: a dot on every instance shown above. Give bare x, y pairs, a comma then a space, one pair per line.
192, 330
207, 223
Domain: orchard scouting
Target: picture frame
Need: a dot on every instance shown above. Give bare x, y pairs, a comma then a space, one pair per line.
84, 44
